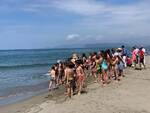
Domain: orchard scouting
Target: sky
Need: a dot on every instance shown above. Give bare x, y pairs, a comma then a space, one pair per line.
31, 24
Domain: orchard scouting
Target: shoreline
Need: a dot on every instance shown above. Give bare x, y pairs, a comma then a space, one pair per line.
21, 93
29, 102
127, 96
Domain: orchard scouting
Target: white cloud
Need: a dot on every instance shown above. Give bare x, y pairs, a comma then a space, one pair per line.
72, 37
84, 38
113, 22
101, 8
83, 7
101, 20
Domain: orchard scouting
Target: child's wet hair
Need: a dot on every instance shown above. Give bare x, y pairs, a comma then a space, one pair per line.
78, 62
70, 64
53, 67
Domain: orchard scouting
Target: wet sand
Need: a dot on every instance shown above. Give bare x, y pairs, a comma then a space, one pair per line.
130, 95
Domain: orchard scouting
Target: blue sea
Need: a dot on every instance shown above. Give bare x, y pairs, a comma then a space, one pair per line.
23, 72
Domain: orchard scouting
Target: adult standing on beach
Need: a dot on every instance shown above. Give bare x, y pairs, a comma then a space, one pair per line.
84, 58
141, 56
144, 50
134, 56
124, 55
74, 58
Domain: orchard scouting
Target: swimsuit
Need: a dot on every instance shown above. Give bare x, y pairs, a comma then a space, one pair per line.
104, 65
99, 69
71, 83
80, 77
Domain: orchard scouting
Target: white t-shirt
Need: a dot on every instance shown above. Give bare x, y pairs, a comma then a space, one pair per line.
144, 50
136, 51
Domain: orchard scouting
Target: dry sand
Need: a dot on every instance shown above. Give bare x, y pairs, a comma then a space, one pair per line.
130, 95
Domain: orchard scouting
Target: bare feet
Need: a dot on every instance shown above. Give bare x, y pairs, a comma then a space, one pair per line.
95, 81
50, 89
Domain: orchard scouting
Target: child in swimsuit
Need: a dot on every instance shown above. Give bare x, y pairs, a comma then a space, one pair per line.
69, 73
80, 76
98, 68
52, 83
104, 68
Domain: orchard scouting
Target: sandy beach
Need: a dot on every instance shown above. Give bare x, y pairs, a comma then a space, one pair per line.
75, 56
130, 95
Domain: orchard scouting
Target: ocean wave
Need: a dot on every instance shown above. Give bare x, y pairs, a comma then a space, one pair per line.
25, 66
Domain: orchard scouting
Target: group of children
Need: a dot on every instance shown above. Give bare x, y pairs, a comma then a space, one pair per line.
104, 66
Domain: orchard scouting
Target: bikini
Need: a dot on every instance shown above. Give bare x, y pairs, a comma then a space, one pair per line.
80, 77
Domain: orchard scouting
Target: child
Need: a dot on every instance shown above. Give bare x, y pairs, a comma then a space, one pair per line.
52, 78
